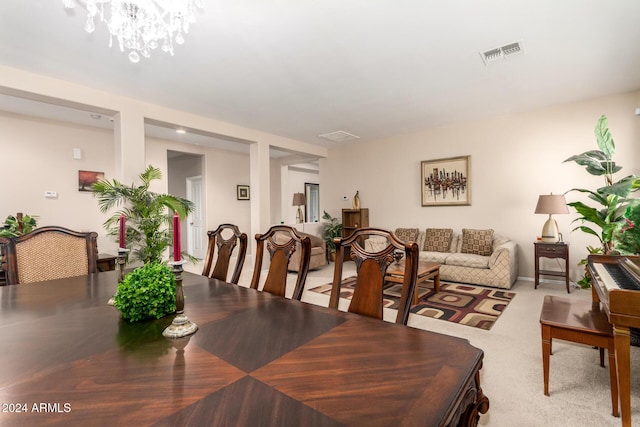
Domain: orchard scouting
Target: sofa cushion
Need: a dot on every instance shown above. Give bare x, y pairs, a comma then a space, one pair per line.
437, 239
407, 234
468, 260
478, 242
439, 257
376, 244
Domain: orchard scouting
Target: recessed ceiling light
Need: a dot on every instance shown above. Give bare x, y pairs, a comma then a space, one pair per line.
181, 131
95, 116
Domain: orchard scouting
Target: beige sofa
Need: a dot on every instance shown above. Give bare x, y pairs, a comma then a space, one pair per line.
318, 256
477, 257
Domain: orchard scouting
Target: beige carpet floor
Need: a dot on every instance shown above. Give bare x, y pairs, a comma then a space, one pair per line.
512, 373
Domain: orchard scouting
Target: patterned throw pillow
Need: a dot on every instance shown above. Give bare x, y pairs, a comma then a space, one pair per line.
477, 242
407, 234
438, 239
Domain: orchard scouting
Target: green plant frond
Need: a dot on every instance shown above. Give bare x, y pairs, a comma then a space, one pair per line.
604, 138
176, 204
588, 230
588, 213
150, 174
587, 157
592, 195
596, 170
621, 188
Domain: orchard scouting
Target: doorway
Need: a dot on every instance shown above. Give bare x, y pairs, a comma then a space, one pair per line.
185, 179
195, 221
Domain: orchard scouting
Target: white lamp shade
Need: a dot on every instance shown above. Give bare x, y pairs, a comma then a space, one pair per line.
551, 204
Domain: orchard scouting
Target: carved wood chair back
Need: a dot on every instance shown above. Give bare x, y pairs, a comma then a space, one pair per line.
371, 269
48, 253
281, 242
225, 238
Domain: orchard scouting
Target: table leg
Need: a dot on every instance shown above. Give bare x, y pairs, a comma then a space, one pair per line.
436, 281
621, 342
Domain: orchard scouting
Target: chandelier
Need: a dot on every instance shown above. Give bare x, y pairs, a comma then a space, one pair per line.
142, 25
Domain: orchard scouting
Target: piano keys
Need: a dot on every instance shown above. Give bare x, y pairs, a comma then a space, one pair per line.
615, 282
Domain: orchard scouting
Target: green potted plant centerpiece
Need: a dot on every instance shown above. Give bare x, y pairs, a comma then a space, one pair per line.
148, 292
332, 229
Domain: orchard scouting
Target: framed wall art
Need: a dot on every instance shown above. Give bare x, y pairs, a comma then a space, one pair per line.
445, 182
243, 192
87, 178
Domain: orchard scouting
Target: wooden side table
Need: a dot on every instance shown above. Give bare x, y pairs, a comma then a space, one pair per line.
106, 262
551, 250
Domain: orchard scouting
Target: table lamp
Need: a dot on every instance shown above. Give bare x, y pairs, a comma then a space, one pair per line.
551, 204
299, 200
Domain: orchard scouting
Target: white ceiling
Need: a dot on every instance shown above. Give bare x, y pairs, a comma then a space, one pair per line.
301, 68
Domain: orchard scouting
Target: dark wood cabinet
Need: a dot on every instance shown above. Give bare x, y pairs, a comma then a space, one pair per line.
552, 250
351, 220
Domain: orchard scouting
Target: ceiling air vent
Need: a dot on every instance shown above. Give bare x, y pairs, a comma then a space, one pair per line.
502, 52
339, 136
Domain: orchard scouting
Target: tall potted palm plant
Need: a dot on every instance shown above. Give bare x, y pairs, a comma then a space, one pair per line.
148, 214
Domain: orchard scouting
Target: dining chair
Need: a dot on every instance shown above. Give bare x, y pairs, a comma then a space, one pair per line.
371, 269
281, 241
48, 253
225, 246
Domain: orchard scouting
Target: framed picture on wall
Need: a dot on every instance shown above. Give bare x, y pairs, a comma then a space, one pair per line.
445, 182
243, 192
87, 178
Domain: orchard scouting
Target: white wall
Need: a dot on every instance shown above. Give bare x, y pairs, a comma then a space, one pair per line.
514, 159
37, 156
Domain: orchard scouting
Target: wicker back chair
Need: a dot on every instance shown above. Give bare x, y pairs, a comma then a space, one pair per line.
49, 253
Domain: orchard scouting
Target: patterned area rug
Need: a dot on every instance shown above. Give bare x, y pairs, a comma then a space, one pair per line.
456, 302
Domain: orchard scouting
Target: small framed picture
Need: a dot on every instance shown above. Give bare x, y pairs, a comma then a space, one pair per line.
243, 192
87, 178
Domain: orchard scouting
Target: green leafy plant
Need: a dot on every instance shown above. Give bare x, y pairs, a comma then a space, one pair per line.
585, 282
628, 233
332, 229
612, 199
18, 225
148, 214
148, 292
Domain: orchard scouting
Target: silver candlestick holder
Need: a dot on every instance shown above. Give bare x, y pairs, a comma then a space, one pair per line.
122, 260
181, 326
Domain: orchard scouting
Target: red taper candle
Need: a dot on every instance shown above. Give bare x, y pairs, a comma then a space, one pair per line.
123, 232
177, 256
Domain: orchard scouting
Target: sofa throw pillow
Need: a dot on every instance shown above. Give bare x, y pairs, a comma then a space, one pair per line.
437, 239
477, 242
407, 234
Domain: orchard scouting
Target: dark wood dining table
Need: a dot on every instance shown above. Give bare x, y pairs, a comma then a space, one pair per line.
257, 360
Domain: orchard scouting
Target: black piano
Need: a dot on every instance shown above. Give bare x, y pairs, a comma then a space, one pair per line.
615, 282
